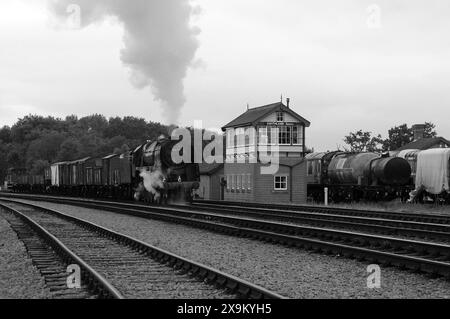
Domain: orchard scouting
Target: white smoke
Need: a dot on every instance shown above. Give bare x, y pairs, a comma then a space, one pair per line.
153, 182
160, 44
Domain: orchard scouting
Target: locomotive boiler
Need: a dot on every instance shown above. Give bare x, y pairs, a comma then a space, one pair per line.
356, 176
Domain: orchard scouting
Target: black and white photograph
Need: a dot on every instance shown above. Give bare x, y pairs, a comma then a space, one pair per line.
222, 155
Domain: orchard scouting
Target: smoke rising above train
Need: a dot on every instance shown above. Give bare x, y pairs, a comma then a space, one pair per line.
160, 43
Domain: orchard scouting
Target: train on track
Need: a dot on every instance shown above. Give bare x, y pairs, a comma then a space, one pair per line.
411, 175
147, 173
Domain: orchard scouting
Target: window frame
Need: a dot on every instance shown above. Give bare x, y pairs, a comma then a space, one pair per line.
280, 182
231, 135
240, 137
310, 168
263, 137
273, 136
287, 132
280, 114
298, 134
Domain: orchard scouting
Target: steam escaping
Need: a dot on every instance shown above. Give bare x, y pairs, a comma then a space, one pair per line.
160, 44
153, 182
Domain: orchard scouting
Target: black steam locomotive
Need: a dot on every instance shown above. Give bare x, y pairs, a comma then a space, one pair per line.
357, 176
158, 178
146, 173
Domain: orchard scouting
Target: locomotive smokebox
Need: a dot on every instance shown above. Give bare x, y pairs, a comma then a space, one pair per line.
391, 170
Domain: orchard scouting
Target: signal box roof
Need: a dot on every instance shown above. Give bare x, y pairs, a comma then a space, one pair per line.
252, 116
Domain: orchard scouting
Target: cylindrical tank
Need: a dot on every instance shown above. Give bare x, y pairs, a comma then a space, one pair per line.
368, 168
350, 168
391, 170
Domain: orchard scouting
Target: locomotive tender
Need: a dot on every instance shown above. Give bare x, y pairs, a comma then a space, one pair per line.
116, 176
356, 176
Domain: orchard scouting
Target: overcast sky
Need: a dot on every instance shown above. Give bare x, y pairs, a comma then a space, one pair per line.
343, 68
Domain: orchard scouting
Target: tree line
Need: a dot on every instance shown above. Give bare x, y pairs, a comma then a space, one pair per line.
398, 136
34, 142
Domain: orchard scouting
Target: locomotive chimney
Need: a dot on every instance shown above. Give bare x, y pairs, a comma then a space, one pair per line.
419, 131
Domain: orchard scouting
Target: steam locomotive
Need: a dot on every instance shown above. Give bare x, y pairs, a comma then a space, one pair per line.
160, 178
147, 173
357, 176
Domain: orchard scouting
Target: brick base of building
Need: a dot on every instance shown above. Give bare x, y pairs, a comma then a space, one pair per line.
245, 183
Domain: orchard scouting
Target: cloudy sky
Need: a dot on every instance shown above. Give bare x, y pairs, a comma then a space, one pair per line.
346, 65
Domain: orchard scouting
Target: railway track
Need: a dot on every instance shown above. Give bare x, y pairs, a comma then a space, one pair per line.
436, 218
432, 258
115, 265
389, 225
52, 258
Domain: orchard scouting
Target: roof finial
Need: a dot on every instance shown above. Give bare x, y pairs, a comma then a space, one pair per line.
281, 98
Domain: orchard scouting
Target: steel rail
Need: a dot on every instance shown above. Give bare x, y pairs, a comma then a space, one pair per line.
421, 217
237, 285
387, 250
96, 281
371, 224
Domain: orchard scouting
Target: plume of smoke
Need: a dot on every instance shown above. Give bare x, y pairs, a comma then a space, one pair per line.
153, 182
159, 42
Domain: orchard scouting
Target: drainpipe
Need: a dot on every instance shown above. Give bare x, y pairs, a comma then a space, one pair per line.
291, 177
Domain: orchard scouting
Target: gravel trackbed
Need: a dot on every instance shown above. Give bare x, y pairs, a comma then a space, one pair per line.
19, 279
292, 272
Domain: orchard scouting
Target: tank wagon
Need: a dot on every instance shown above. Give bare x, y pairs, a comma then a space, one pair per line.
356, 176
